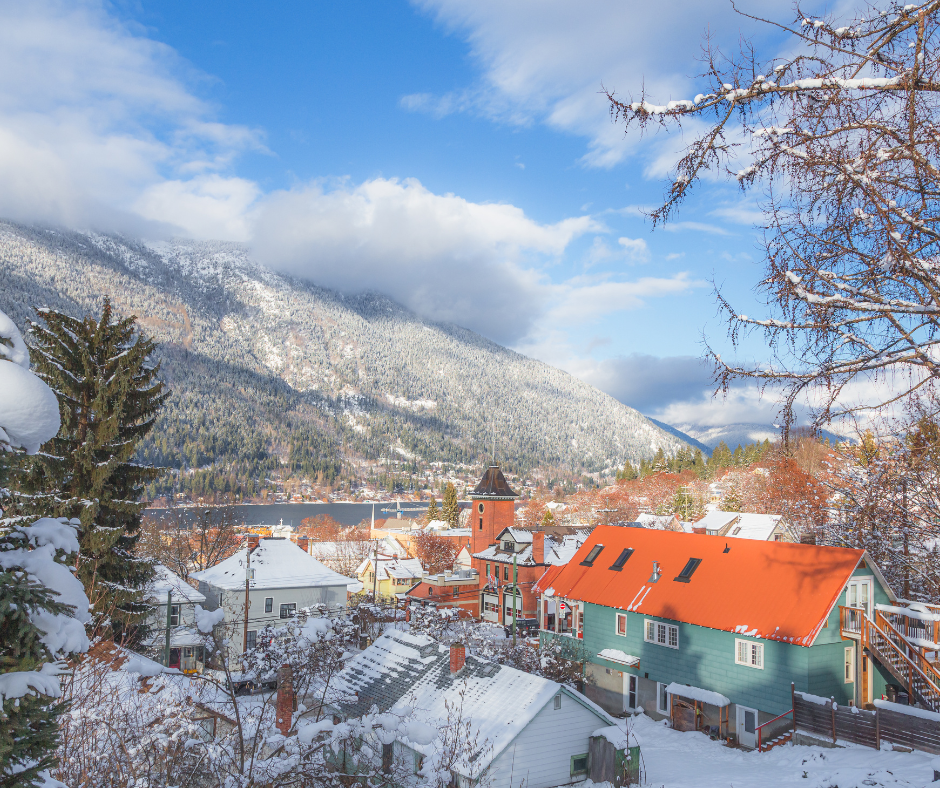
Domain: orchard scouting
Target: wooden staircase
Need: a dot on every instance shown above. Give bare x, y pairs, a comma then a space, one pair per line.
906, 662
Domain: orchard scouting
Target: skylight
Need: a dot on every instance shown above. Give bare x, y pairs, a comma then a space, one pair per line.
622, 559
690, 567
592, 556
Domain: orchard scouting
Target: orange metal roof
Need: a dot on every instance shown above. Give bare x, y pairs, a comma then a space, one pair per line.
547, 578
775, 590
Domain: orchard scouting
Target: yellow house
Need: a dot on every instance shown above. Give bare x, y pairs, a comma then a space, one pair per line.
393, 578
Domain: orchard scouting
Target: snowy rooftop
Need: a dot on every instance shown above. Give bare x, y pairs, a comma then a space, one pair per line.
275, 563
403, 669
716, 519
399, 568
755, 526
555, 553
164, 580
659, 521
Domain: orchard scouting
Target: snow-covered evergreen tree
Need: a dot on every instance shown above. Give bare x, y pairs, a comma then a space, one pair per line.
109, 396
42, 605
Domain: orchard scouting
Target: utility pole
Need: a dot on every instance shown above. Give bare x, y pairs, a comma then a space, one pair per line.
247, 578
375, 573
515, 586
169, 608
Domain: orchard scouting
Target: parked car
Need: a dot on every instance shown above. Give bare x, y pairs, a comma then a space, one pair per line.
525, 627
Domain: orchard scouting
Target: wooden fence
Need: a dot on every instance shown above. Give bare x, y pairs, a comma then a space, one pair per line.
825, 719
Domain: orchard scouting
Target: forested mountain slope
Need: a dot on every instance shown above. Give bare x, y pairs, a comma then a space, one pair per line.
268, 371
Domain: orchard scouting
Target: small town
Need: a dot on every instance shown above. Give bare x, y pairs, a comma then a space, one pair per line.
448, 394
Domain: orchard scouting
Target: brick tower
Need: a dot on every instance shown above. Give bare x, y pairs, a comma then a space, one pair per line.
493, 508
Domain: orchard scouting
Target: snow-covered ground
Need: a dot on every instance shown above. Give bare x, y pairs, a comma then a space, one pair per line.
692, 760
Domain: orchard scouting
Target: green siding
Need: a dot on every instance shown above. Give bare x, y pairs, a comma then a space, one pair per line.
705, 658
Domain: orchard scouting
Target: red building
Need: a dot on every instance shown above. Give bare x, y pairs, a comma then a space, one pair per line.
495, 543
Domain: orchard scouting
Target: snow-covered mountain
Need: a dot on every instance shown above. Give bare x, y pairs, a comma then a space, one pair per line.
267, 367
736, 434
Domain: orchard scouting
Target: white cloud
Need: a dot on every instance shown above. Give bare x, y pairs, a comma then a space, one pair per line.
545, 60
445, 257
92, 114
636, 249
698, 227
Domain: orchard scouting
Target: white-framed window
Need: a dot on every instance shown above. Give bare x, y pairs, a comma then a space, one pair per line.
747, 652
558, 701
661, 634
662, 698
622, 624
849, 664
252, 639
269, 604
289, 610
175, 615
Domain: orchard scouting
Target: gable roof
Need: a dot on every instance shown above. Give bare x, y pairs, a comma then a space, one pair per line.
717, 519
403, 669
399, 568
165, 580
775, 590
277, 563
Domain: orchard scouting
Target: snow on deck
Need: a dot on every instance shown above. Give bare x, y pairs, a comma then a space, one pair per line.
673, 759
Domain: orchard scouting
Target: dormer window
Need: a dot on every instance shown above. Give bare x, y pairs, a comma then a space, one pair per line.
592, 556
686, 574
507, 546
622, 559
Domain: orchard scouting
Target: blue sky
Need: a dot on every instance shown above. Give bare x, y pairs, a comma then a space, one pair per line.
455, 154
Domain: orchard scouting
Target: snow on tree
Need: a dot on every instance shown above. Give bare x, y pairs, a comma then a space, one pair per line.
842, 137
109, 397
43, 607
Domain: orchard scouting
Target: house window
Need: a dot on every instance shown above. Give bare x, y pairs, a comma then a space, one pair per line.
268, 604
174, 615
487, 570
558, 701
507, 546
288, 611
747, 652
252, 638
661, 634
481, 523
430, 590
622, 624
622, 559
592, 556
579, 765
480, 508
455, 590
686, 574
506, 572
849, 664
662, 698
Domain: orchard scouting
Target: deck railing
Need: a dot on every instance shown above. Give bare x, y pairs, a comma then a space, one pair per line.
777, 739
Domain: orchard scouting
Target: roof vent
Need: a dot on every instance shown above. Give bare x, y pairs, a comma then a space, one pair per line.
727, 549
656, 573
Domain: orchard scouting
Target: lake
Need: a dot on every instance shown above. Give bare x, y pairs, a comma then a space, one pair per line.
293, 513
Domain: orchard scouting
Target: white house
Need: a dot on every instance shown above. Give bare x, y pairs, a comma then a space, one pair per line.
746, 525
523, 729
186, 643
282, 579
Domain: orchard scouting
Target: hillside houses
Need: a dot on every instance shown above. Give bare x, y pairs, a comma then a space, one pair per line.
746, 525
178, 620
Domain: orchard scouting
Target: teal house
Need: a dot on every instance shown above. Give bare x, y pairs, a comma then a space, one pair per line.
712, 632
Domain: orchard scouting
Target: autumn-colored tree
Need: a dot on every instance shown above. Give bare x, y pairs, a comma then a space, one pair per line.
436, 553
320, 528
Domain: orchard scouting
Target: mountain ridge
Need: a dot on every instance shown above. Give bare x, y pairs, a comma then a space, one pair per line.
270, 372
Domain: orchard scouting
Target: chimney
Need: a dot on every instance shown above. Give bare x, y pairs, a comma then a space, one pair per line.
286, 699
538, 547
696, 529
252, 540
656, 573
458, 656
303, 542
